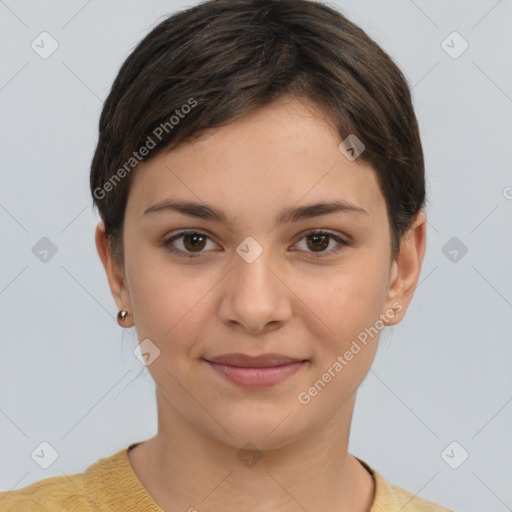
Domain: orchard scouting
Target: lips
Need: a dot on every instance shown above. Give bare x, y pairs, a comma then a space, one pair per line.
246, 361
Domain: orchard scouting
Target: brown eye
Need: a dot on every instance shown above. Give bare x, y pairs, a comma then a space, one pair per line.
189, 244
194, 241
318, 242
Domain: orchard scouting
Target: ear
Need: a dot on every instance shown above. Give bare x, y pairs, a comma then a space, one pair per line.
115, 274
406, 268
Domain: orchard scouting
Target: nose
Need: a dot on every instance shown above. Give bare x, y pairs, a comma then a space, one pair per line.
255, 297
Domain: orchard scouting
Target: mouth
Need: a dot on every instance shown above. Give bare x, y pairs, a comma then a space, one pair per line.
261, 361
256, 372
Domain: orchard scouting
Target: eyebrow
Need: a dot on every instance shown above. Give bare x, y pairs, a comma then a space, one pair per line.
293, 214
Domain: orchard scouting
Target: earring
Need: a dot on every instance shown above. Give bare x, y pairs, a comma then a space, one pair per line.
121, 316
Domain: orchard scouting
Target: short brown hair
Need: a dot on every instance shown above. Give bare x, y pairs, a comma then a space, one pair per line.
226, 58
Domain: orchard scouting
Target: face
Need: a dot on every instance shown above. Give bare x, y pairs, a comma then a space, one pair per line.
251, 270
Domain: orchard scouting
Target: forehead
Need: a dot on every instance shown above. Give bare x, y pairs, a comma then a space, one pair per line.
284, 153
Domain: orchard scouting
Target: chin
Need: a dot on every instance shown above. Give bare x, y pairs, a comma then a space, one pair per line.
266, 427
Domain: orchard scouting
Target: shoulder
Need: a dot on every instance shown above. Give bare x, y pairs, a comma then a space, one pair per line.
58, 493
409, 502
79, 492
389, 497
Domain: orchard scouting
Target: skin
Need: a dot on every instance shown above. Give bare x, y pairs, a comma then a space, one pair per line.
287, 301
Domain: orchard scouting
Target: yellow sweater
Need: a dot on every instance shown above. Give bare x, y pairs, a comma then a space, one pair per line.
110, 485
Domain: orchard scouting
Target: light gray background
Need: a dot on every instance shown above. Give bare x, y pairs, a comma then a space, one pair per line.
68, 374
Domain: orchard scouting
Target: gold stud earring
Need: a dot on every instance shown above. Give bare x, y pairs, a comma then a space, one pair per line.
121, 316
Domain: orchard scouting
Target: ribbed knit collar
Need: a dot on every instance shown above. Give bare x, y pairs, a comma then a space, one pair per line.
111, 480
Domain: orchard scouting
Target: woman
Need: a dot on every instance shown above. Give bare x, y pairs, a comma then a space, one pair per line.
260, 180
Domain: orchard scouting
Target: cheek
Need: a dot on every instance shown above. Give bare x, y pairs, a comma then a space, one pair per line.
343, 320
345, 303
161, 296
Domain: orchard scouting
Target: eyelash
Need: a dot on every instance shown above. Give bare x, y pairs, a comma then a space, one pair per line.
341, 243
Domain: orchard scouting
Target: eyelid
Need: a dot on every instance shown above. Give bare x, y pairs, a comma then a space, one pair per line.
342, 242
167, 242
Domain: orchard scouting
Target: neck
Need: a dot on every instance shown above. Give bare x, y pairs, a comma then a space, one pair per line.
186, 468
